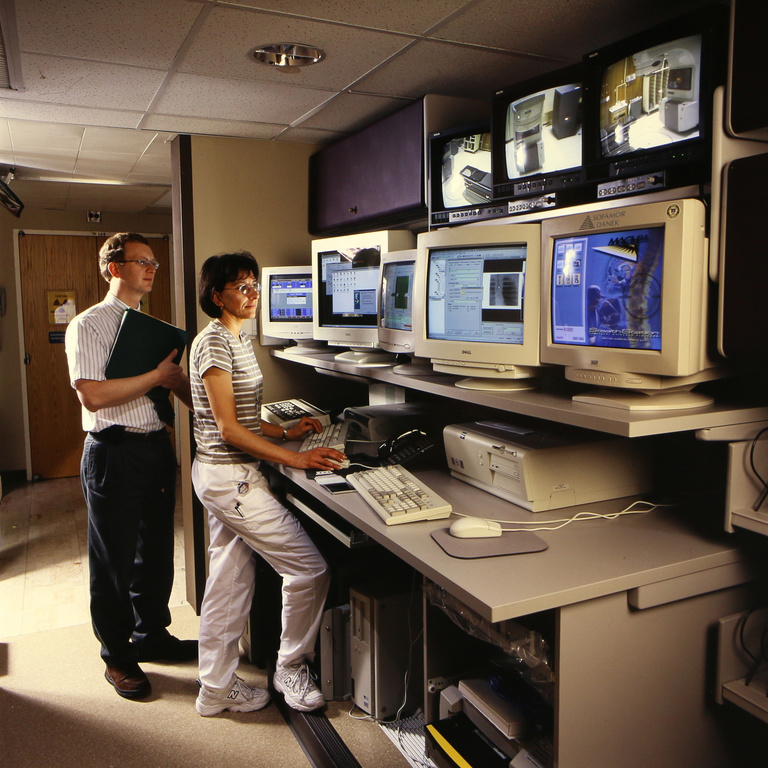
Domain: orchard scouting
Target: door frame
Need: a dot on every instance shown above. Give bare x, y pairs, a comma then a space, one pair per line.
20, 317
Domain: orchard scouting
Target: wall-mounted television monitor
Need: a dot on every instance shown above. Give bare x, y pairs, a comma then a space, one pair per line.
9, 200
477, 304
648, 105
460, 185
746, 108
346, 272
396, 311
625, 308
285, 313
537, 134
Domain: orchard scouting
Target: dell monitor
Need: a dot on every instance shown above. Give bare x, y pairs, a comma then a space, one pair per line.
286, 309
626, 303
460, 185
346, 299
477, 307
648, 106
537, 138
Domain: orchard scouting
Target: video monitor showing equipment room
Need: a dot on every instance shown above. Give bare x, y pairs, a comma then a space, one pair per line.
648, 105
477, 304
537, 129
460, 185
346, 274
286, 308
627, 303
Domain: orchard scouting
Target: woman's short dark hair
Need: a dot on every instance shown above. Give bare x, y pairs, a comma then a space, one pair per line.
219, 270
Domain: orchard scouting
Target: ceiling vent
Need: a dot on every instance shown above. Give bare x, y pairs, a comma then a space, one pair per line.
287, 57
10, 56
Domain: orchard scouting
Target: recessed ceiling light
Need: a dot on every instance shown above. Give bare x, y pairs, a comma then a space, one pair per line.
287, 56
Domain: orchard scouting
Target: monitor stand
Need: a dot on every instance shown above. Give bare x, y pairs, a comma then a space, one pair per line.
495, 385
407, 367
368, 358
304, 347
641, 402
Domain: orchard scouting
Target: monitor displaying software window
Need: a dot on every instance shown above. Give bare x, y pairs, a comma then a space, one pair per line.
286, 306
478, 295
346, 271
627, 302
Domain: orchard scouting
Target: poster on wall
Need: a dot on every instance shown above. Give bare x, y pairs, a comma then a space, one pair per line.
61, 307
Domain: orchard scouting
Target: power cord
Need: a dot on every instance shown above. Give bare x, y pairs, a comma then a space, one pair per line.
757, 659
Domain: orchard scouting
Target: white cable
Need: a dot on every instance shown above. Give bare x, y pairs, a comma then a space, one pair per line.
554, 525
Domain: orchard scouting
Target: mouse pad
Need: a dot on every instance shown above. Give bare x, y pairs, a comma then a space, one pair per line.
511, 543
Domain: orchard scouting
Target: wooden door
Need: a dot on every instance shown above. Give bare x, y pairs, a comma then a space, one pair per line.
54, 268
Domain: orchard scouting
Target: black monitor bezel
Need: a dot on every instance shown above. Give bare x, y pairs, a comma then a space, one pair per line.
687, 162
439, 213
568, 183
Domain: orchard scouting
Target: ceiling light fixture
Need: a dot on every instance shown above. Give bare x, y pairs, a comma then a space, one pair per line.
287, 57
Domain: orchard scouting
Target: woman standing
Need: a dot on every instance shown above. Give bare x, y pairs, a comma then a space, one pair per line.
243, 515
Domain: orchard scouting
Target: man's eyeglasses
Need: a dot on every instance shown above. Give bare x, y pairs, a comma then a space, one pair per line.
143, 263
246, 288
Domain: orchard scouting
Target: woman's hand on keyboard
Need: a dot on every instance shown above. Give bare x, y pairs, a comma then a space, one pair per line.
319, 458
303, 427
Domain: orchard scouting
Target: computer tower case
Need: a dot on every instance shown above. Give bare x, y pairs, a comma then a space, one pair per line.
384, 624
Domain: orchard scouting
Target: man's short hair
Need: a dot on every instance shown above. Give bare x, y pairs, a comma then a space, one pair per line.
114, 250
219, 270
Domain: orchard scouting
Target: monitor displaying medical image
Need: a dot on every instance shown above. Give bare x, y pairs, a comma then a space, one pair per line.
606, 289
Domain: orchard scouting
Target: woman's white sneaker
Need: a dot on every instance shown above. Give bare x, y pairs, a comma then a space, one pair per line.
239, 698
297, 684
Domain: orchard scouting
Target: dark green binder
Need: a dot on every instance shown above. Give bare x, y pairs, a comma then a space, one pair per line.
141, 344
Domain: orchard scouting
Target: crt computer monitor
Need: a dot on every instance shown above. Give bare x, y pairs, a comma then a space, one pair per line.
396, 305
648, 105
460, 179
537, 134
285, 312
346, 297
626, 303
477, 304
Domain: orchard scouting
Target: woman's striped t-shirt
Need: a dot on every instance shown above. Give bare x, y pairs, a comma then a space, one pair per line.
216, 347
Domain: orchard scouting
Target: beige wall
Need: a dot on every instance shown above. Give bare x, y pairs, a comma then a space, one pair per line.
11, 396
253, 195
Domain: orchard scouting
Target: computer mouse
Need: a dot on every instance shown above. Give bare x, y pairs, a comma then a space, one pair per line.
474, 528
339, 464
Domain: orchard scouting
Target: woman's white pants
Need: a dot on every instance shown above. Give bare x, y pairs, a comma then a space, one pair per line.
244, 517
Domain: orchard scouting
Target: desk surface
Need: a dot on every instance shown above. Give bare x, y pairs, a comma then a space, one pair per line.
583, 561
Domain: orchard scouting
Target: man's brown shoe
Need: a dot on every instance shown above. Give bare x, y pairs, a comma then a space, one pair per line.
128, 680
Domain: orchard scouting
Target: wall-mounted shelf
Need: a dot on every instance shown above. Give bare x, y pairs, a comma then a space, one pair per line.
546, 404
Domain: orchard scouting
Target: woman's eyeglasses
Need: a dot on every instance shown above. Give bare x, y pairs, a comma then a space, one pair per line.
246, 288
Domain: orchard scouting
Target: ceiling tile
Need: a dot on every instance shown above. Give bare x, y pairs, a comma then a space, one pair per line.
80, 116
349, 112
86, 83
213, 126
450, 70
53, 159
122, 31
200, 96
553, 28
396, 15
302, 135
108, 140
222, 45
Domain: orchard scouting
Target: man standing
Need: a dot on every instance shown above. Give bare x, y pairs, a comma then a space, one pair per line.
128, 474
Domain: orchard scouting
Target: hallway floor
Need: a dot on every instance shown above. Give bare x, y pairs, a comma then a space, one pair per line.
44, 557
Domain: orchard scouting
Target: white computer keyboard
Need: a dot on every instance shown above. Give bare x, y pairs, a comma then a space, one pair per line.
397, 496
332, 436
